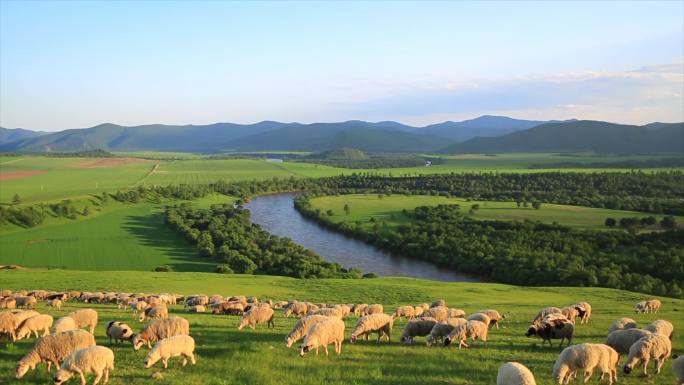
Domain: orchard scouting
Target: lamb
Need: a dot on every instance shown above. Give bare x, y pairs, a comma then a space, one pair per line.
85, 317
405, 311
480, 317
514, 373
456, 313
678, 369
118, 331
302, 327
159, 311
257, 315
296, 309
34, 325
323, 334
374, 323
419, 327
10, 321
375, 308
53, 349
442, 329
570, 312
656, 346
55, 303
585, 357
26, 302
181, 345
661, 327
545, 312
621, 324
160, 328
195, 309
583, 311
438, 302
94, 359
494, 317
63, 324
552, 328
475, 330
622, 340
440, 313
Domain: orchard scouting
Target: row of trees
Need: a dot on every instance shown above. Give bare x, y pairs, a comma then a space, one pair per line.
668, 222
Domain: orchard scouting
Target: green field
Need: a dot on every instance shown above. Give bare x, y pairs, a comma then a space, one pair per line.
228, 356
363, 207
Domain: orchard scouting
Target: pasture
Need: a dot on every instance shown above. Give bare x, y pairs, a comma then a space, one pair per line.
228, 356
363, 207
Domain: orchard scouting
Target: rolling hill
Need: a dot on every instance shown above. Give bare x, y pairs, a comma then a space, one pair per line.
582, 136
9, 135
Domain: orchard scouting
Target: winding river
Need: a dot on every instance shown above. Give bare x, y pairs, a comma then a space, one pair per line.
276, 214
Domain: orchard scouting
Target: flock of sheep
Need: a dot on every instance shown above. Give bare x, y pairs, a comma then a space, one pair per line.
73, 351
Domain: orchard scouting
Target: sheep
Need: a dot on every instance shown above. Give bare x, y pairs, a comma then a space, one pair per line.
63, 324
279, 304
53, 349
640, 307
34, 325
494, 317
26, 302
359, 308
552, 328
622, 340
373, 323
230, 307
296, 309
570, 312
418, 311
440, 313
482, 317
302, 327
656, 346
622, 323
442, 329
405, 311
661, 327
329, 312
514, 373
181, 345
419, 327
85, 317
475, 330
678, 369
256, 316
196, 309
10, 321
323, 334
653, 305
545, 312
8, 303
118, 331
345, 309
438, 302
160, 328
375, 308
585, 357
138, 306
94, 359
456, 313
583, 311
159, 311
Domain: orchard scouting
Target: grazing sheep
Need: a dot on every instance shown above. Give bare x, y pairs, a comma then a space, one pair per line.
374, 323
656, 346
160, 328
585, 357
653, 305
621, 324
230, 307
296, 309
324, 333
609, 360
53, 349
195, 309
329, 312
359, 308
279, 304
10, 321
545, 312
63, 324
640, 307
159, 311
570, 312
418, 311
405, 311
181, 345
583, 311
482, 317
552, 329
419, 327
440, 313
85, 317
34, 325
55, 303
138, 306
622, 340
494, 317
475, 330
456, 313
661, 327
513, 373
442, 329
375, 308
118, 331
678, 369
438, 302
345, 309
26, 302
94, 359
302, 327
257, 315
8, 303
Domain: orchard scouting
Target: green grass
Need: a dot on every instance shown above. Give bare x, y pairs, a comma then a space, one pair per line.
228, 356
363, 207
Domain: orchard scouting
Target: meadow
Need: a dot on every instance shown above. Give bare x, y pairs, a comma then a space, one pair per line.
363, 207
228, 356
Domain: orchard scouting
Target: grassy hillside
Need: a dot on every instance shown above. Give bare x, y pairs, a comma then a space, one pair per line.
228, 356
363, 207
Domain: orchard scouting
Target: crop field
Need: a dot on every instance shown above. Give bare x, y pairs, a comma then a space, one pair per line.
228, 356
363, 207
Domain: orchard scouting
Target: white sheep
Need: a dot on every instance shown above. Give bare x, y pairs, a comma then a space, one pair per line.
678, 369
375, 308
661, 327
196, 309
358, 309
494, 317
94, 359
514, 373
440, 313
138, 306
63, 324
545, 312
585, 357
329, 312
656, 346
53, 349
622, 340
442, 329
257, 315
157, 311
407, 311
11, 319
160, 328
621, 324
181, 345
296, 309
302, 327
85, 317
118, 331
482, 317
570, 312
653, 305
324, 333
418, 327
473, 330
374, 323
34, 325
55, 303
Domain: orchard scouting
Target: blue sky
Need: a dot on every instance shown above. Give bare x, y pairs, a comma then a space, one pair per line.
77, 64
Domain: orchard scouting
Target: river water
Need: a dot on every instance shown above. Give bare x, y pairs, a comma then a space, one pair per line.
277, 215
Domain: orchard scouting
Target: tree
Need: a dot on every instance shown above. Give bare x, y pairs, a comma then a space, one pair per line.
668, 222
475, 207
536, 205
649, 221
86, 211
16, 199
347, 210
611, 222
330, 213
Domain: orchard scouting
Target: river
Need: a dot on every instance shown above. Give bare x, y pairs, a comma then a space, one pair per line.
277, 215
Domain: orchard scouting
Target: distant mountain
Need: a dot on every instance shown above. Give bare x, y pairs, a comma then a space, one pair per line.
581, 136
484, 126
9, 135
